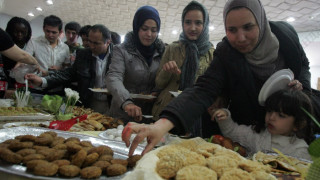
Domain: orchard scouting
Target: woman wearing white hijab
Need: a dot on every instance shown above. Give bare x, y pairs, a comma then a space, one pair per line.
253, 49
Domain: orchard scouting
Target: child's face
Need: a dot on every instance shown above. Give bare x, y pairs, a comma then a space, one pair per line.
279, 123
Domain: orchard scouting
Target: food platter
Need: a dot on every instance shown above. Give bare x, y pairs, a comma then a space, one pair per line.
31, 123
19, 171
14, 113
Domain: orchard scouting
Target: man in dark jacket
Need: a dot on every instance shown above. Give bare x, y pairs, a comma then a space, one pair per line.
89, 70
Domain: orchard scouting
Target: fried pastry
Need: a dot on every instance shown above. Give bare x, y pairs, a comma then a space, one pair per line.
102, 164
9, 156
20, 145
116, 170
236, 174
23, 138
119, 161
79, 158
101, 150
90, 172
105, 157
220, 163
30, 157
25, 152
194, 172
168, 166
250, 166
133, 160
31, 164
61, 162
45, 169
73, 146
69, 170
262, 175
90, 159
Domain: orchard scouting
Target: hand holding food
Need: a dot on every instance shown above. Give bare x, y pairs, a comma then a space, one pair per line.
172, 67
153, 133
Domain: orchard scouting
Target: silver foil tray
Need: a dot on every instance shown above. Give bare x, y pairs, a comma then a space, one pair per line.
119, 148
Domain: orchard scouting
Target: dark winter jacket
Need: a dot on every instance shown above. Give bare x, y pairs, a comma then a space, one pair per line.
230, 74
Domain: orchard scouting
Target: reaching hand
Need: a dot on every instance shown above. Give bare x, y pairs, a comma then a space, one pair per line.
54, 68
220, 115
133, 111
153, 133
33, 79
295, 84
172, 67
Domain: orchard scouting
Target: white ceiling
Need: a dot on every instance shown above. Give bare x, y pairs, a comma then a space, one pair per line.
117, 15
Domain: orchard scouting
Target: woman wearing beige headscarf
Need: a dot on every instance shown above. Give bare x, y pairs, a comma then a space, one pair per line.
253, 49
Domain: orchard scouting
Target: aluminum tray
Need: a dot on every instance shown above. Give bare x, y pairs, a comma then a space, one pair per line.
26, 123
119, 148
41, 115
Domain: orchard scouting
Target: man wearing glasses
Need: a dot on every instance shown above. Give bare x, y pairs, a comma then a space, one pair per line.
89, 70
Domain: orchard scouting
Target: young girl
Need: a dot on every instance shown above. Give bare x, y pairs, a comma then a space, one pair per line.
287, 127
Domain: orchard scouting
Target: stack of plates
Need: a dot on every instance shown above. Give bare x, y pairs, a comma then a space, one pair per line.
278, 81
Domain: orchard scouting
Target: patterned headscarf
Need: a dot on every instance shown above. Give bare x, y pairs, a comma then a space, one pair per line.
194, 48
142, 14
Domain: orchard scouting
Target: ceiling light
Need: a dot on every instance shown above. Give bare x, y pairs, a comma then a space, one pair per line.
291, 19
159, 34
211, 28
39, 8
30, 14
49, 2
174, 32
122, 38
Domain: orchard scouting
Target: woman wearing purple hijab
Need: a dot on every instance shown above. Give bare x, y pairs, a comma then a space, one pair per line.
134, 65
253, 49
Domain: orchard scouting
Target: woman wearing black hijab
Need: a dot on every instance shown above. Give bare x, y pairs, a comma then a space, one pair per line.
134, 66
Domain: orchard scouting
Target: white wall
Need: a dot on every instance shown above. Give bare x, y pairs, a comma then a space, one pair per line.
36, 25
311, 45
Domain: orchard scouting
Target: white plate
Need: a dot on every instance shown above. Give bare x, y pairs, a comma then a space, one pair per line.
277, 81
134, 96
99, 90
142, 96
175, 93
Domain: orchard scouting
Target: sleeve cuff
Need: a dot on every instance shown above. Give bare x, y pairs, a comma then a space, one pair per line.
44, 83
128, 101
